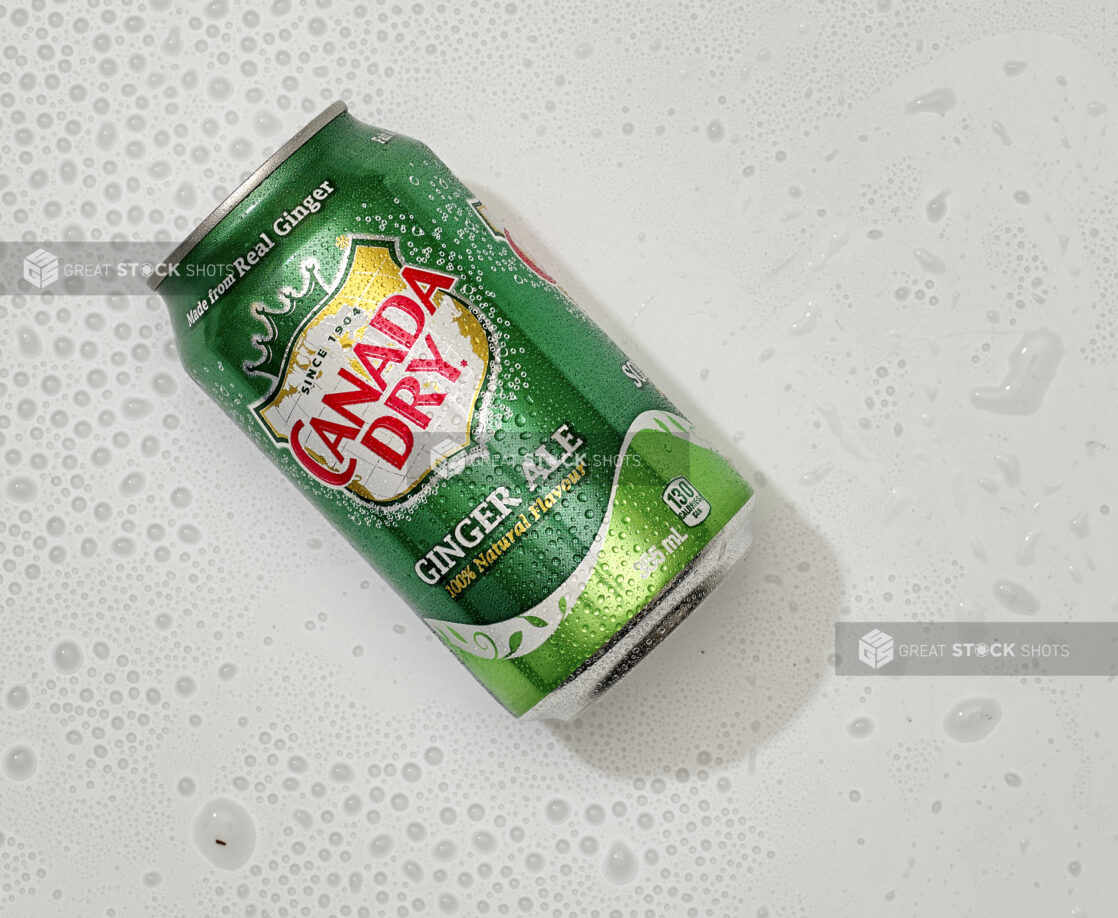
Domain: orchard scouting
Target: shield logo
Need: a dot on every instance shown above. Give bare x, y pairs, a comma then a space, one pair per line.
376, 378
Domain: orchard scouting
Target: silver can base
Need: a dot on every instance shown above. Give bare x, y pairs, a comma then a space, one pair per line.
649, 628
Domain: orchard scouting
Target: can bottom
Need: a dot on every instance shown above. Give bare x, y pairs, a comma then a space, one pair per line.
649, 628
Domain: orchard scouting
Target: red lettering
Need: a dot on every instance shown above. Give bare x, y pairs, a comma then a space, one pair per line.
375, 358
332, 434
394, 426
410, 385
391, 329
337, 401
323, 474
434, 365
424, 283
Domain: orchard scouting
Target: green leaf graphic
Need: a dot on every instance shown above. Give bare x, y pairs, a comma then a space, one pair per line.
514, 640
535, 620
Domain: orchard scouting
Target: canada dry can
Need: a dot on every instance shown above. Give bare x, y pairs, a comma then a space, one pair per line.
494, 455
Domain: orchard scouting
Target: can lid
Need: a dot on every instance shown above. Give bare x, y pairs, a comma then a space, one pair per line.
246, 187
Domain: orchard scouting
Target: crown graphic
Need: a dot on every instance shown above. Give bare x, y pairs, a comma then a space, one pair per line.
280, 321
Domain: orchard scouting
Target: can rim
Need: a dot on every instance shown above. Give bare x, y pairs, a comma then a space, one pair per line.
242, 191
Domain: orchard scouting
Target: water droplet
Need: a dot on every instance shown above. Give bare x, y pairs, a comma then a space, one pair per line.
620, 864
172, 44
19, 763
1012, 779
341, 773
817, 474
219, 88
185, 686
1010, 467
66, 656
226, 671
153, 878
807, 321
186, 787
29, 343
860, 727
1027, 550
21, 489
484, 842
939, 101
931, 263
558, 810
972, 719
124, 546
1014, 68
1094, 109
186, 197
132, 484
1016, 598
135, 408
715, 131
266, 123
1079, 525
106, 135
936, 208
225, 833
164, 384
1002, 133
831, 246
1032, 367
18, 697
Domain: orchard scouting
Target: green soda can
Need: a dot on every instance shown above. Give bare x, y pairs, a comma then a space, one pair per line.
494, 455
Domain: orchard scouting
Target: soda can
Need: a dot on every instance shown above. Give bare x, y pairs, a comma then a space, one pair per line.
502, 464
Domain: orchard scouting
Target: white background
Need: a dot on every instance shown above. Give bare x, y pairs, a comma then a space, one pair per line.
735, 191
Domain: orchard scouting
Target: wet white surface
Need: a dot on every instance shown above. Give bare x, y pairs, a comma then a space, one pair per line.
870, 246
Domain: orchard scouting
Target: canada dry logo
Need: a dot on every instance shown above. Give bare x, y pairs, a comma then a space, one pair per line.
875, 648
379, 383
40, 268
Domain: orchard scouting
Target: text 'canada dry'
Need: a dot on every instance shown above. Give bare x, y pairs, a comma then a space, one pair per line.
513, 475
